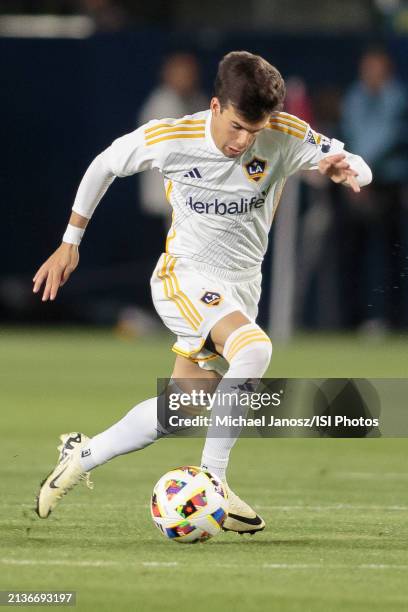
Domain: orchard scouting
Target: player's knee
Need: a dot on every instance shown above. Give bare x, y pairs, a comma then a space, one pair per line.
250, 346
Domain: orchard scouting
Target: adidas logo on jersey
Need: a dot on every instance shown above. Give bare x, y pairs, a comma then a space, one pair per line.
194, 173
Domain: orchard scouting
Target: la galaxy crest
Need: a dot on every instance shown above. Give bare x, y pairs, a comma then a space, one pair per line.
255, 169
211, 298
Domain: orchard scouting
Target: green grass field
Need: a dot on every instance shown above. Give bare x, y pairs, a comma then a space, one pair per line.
336, 510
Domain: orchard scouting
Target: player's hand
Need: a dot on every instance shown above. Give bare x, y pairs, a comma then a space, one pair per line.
337, 168
56, 270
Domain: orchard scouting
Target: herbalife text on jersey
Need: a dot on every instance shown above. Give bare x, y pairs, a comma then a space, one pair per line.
221, 208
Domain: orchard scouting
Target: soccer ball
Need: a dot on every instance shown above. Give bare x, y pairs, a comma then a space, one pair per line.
189, 505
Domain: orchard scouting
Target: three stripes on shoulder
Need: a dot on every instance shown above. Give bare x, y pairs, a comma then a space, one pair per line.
288, 124
185, 128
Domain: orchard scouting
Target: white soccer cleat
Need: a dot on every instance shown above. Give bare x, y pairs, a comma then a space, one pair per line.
241, 517
66, 474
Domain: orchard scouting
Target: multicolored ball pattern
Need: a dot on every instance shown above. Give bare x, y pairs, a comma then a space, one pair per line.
189, 505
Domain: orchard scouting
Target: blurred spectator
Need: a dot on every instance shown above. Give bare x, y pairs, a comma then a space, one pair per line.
304, 264
107, 15
288, 296
178, 94
374, 125
297, 100
317, 300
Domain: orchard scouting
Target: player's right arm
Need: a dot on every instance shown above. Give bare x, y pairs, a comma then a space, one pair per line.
126, 156
59, 266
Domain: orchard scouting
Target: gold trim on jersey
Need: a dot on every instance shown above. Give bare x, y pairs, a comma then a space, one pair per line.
187, 128
169, 189
174, 293
174, 136
288, 124
172, 130
285, 130
277, 197
173, 235
245, 338
287, 117
175, 124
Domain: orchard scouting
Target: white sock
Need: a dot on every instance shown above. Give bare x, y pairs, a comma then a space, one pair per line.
138, 428
248, 351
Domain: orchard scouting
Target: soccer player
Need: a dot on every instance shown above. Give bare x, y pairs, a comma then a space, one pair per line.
224, 170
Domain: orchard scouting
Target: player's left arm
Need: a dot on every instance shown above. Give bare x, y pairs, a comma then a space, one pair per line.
347, 169
329, 157
308, 150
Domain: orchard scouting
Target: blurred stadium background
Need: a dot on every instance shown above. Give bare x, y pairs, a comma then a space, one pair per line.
75, 75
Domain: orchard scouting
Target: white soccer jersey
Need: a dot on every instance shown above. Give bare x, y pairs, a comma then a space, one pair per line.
222, 207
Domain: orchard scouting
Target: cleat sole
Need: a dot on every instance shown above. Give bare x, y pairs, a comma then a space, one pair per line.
250, 531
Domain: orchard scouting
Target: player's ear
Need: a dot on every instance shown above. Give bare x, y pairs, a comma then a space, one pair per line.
215, 106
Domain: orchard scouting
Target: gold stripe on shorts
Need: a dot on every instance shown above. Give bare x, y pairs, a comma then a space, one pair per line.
171, 295
181, 293
174, 293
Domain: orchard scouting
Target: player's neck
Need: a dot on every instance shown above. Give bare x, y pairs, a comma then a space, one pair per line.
213, 134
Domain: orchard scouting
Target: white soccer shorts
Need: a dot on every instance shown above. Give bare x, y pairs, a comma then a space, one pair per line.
190, 302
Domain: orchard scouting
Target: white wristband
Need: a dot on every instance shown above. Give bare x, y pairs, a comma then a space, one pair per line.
73, 234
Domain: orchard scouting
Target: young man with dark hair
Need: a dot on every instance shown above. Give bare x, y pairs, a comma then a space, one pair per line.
224, 170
